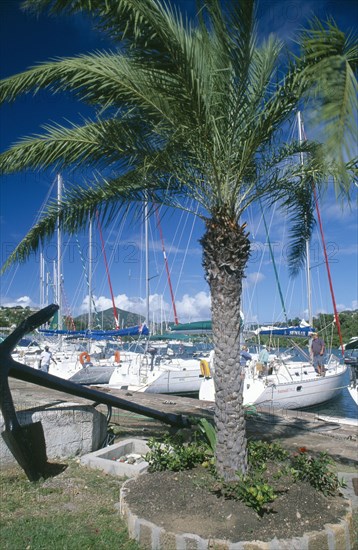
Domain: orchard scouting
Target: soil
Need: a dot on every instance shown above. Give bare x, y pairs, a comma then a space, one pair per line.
181, 502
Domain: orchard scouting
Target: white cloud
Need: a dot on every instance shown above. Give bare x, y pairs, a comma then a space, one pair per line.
253, 279
319, 311
352, 307
194, 308
122, 301
23, 301
336, 211
189, 308
348, 250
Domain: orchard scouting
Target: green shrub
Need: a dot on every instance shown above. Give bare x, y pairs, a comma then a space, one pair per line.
316, 471
208, 430
252, 490
260, 452
175, 455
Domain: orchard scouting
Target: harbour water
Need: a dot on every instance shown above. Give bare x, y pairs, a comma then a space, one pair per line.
343, 406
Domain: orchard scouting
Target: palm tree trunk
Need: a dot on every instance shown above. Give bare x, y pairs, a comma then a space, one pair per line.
226, 249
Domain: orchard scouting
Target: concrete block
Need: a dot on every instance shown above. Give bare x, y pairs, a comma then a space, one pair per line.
107, 459
167, 541
340, 534
145, 534
318, 541
70, 430
256, 545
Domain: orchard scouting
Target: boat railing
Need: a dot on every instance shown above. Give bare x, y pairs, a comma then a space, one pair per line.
333, 362
144, 366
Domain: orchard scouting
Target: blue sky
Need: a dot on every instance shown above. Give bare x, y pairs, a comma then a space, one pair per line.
26, 40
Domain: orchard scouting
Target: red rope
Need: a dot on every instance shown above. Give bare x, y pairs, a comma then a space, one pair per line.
166, 266
336, 316
115, 313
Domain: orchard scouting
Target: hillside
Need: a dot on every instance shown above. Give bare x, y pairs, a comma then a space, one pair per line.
12, 316
105, 320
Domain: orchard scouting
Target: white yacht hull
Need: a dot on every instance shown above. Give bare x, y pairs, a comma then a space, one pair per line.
353, 392
176, 382
301, 391
175, 377
135, 372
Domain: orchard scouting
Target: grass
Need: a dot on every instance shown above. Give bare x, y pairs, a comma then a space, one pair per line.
74, 510
71, 511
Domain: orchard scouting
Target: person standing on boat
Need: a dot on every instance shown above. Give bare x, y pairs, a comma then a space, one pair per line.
45, 358
264, 358
317, 350
245, 356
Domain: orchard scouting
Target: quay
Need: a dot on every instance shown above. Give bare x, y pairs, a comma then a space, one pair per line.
293, 428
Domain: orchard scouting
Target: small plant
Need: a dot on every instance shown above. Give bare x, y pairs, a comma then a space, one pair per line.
259, 452
250, 410
209, 432
316, 471
251, 490
175, 455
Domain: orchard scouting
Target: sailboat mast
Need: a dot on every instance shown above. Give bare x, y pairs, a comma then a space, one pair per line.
116, 320
47, 287
90, 275
146, 260
166, 266
42, 280
59, 259
308, 258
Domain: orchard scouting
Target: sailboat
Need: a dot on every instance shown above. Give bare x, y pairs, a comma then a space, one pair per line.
286, 383
146, 367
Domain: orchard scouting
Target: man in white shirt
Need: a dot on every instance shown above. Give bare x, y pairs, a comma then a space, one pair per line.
45, 358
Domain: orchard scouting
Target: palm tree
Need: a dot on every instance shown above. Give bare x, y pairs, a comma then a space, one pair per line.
194, 108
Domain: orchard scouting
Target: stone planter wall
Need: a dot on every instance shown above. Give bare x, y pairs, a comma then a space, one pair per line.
339, 536
70, 429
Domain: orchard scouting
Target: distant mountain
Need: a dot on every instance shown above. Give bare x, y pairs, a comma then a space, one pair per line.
105, 320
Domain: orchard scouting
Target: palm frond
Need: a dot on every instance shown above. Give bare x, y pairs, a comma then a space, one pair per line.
105, 196
103, 144
300, 209
145, 26
108, 80
54, 7
327, 51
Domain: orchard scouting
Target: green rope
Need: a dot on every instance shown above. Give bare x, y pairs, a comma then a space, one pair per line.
274, 265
